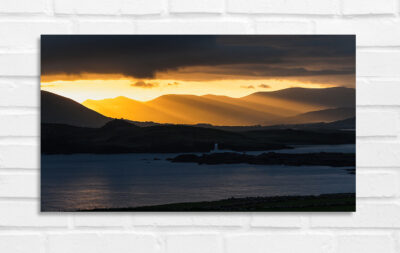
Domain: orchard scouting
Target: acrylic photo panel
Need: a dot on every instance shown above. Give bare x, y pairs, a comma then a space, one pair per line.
198, 123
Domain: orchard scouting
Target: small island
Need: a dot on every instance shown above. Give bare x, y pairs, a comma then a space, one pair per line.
270, 158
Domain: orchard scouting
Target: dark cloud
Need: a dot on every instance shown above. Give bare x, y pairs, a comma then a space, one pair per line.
247, 87
263, 70
264, 86
142, 56
143, 84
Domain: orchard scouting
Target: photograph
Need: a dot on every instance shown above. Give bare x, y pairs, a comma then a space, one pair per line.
198, 123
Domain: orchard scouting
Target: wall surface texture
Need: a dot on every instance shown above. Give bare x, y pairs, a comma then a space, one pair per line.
375, 227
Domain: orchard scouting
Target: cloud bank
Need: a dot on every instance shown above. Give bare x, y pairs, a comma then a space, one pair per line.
209, 56
142, 84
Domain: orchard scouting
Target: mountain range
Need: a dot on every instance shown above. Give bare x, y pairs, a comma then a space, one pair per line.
234, 123
288, 106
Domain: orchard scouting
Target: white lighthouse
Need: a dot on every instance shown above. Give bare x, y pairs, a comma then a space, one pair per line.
215, 150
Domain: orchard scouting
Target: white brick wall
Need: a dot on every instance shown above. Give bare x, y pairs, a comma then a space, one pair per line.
375, 226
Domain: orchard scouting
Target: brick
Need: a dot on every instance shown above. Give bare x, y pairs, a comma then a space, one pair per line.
376, 32
378, 92
27, 214
377, 123
19, 185
200, 6
142, 7
102, 243
109, 7
75, 243
22, 6
188, 219
19, 125
19, 64
221, 219
101, 220
275, 220
378, 63
365, 243
283, 27
282, 243
316, 7
192, 27
370, 229
22, 243
105, 27
195, 243
160, 219
363, 7
367, 216
19, 93
26, 34
378, 154
10, 156
377, 184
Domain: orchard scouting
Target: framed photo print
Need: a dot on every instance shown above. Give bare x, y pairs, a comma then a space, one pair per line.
198, 123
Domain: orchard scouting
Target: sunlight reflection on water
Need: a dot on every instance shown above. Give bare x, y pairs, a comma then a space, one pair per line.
86, 181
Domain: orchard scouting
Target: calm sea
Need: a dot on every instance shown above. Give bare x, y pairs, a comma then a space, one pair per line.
87, 181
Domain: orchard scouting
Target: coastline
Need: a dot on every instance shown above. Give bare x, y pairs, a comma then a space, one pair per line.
336, 202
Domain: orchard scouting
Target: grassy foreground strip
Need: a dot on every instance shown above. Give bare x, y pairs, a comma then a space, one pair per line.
345, 202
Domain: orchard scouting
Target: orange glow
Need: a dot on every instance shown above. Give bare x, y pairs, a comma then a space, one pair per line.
81, 90
214, 101
192, 109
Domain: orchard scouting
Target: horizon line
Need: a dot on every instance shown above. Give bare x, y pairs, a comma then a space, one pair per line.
314, 88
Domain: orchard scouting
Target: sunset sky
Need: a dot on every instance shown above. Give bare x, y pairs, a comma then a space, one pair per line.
143, 67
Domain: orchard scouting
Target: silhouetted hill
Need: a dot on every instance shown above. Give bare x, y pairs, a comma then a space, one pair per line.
59, 109
119, 136
327, 98
302, 136
117, 124
265, 108
327, 115
346, 124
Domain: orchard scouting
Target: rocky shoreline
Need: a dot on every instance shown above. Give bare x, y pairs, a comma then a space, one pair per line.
270, 158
